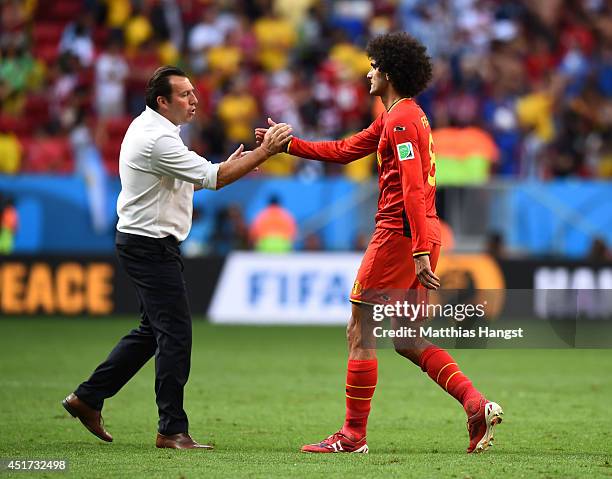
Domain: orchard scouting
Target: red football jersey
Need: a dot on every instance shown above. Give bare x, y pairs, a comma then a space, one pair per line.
404, 149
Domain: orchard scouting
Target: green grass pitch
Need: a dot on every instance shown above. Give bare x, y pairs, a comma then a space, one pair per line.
259, 393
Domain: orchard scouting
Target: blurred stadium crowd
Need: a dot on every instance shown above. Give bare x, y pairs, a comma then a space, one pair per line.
533, 76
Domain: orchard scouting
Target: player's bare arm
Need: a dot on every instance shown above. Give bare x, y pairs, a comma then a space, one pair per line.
238, 164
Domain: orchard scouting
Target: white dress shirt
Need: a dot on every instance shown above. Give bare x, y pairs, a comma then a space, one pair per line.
158, 173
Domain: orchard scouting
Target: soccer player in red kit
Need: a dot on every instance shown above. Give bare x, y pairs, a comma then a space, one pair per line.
404, 249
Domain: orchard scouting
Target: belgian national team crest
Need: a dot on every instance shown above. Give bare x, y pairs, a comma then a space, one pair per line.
405, 151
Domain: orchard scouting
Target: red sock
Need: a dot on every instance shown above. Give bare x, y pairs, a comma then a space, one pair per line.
442, 368
361, 380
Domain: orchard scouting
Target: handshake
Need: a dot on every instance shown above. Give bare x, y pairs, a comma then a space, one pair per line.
270, 141
274, 139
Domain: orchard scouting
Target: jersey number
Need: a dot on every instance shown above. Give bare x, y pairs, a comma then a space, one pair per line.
431, 177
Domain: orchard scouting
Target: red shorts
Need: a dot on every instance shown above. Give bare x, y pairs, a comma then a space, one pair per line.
387, 269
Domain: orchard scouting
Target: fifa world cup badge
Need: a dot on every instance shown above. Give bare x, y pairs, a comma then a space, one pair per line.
405, 151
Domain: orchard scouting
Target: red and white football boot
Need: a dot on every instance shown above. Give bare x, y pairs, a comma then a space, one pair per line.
338, 442
483, 415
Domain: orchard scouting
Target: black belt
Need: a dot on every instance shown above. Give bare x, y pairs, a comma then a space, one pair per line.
132, 239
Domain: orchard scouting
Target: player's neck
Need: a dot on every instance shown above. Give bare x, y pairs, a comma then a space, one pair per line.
390, 98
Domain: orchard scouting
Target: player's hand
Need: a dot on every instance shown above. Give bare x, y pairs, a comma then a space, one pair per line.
261, 132
424, 273
276, 138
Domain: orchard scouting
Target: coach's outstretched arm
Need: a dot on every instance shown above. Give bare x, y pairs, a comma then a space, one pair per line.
240, 163
340, 151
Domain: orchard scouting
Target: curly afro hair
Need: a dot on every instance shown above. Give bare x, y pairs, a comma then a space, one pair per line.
404, 59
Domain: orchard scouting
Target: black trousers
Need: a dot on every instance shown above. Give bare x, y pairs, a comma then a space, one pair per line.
156, 268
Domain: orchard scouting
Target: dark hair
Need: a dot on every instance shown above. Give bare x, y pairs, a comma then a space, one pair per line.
159, 85
404, 59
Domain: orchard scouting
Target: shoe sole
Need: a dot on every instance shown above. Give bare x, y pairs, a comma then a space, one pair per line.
362, 450
201, 447
73, 413
493, 416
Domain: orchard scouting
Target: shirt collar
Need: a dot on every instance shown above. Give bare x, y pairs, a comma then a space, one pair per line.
162, 120
396, 102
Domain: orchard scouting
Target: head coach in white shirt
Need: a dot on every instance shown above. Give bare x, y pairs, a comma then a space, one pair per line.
158, 177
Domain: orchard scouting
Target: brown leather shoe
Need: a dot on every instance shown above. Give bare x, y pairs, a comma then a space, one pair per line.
179, 441
90, 418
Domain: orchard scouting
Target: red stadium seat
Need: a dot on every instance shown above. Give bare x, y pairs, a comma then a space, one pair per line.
115, 131
18, 125
36, 111
64, 11
116, 127
47, 155
26, 143
100, 36
86, 78
48, 53
110, 154
47, 33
